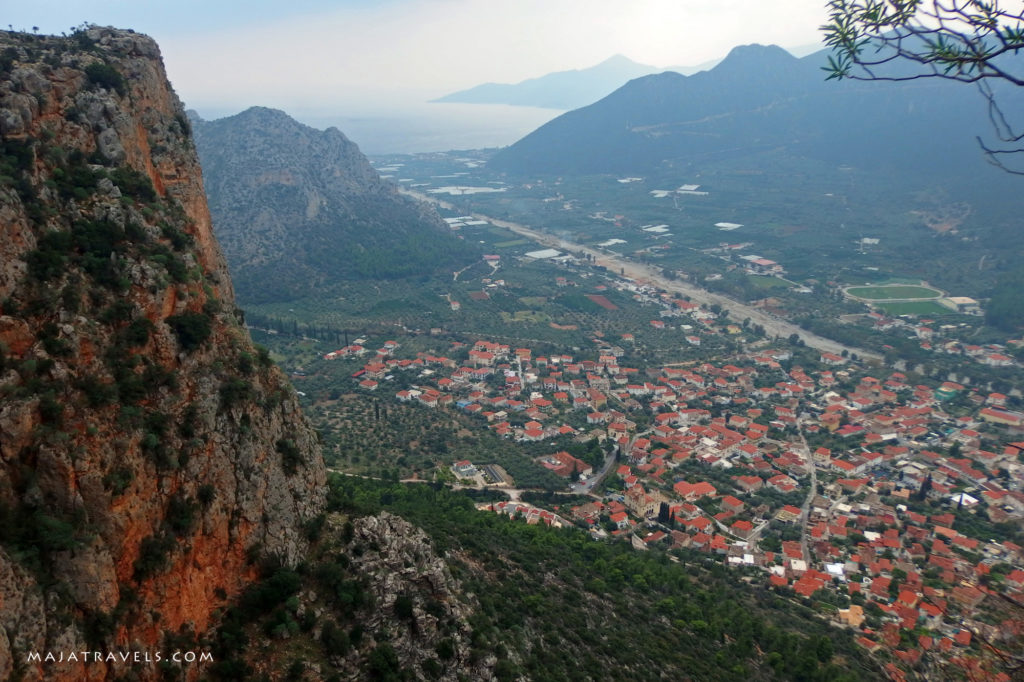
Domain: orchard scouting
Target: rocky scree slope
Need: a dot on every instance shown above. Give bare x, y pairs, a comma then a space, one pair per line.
373, 600
148, 451
298, 209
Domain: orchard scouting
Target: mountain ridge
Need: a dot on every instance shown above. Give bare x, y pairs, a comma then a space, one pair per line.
567, 89
758, 97
300, 209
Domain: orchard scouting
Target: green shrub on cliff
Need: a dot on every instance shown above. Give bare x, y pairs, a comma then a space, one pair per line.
192, 329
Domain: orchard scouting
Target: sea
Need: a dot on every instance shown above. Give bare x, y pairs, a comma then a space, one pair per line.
414, 127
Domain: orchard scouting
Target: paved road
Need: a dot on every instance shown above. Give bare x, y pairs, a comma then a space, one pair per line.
514, 494
805, 510
638, 271
587, 487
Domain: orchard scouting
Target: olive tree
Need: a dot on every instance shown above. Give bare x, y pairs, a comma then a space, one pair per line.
970, 41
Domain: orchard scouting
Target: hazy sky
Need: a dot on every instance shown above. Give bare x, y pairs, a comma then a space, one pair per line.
224, 55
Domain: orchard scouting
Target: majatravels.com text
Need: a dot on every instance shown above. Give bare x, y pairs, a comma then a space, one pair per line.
119, 657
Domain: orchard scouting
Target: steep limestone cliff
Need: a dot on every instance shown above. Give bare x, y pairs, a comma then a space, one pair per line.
148, 451
299, 210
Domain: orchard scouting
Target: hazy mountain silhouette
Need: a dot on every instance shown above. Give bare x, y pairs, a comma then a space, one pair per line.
762, 98
562, 89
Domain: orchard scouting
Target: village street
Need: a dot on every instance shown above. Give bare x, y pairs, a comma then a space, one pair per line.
812, 492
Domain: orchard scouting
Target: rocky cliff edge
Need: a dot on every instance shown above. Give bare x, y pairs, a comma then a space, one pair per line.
149, 453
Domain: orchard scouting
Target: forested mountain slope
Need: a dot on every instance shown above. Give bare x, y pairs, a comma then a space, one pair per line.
476, 595
761, 99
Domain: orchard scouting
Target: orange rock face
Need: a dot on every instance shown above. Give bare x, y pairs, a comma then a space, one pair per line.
140, 430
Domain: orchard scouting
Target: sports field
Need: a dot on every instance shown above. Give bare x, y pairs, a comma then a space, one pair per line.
764, 282
914, 308
893, 292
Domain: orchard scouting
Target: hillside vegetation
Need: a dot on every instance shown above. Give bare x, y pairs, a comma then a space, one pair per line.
532, 602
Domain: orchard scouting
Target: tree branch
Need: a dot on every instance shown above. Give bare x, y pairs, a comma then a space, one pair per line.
966, 41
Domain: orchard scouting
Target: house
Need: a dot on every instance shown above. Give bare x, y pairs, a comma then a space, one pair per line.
1002, 417
782, 483
996, 360
375, 370
763, 266
694, 491
750, 484
844, 467
742, 529
853, 485
565, 465
429, 398
700, 541
481, 358
788, 514
654, 537
732, 504
967, 596
532, 435
464, 469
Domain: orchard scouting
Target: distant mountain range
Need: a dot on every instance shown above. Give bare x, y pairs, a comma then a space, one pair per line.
298, 209
763, 99
564, 89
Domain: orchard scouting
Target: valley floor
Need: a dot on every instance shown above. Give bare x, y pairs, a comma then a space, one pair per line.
646, 274
878, 483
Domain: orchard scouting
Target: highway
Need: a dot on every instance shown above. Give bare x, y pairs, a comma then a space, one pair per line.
773, 326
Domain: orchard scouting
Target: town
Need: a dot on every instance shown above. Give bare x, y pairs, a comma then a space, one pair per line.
843, 437
891, 506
